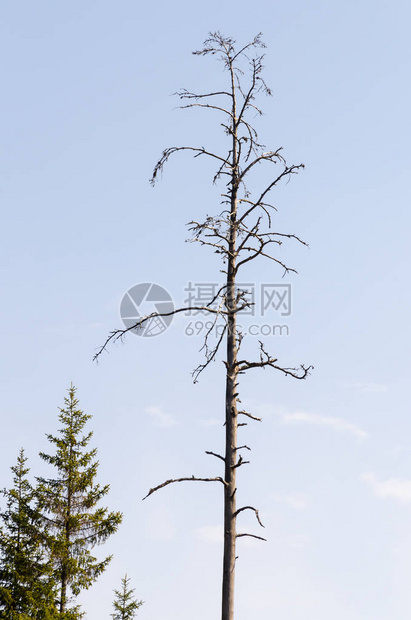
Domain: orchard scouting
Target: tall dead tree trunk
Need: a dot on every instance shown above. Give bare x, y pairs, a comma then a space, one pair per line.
231, 416
239, 236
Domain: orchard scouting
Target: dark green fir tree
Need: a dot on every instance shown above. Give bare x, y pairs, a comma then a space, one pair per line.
71, 508
27, 589
125, 605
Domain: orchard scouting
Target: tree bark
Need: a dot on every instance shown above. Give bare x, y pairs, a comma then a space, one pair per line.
231, 414
230, 478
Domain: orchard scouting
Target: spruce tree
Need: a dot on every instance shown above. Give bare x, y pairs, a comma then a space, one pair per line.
26, 586
70, 507
125, 605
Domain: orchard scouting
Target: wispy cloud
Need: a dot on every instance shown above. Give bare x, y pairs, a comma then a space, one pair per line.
370, 387
210, 533
160, 418
336, 424
210, 422
298, 502
161, 525
393, 488
296, 541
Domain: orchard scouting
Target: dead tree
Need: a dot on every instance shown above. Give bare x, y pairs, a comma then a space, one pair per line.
241, 233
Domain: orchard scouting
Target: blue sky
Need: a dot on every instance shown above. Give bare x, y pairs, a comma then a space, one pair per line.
85, 113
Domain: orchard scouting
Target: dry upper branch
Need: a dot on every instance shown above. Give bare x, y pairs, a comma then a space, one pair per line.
189, 479
267, 361
185, 94
174, 149
288, 170
118, 334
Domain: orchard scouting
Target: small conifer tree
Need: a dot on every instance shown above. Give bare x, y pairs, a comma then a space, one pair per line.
125, 605
70, 507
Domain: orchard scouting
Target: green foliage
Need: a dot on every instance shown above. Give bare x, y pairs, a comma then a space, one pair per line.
26, 587
75, 524
125, 604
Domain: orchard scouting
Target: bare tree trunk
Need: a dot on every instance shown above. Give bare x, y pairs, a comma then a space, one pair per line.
230, 463
231, 418
239, 234
229, 501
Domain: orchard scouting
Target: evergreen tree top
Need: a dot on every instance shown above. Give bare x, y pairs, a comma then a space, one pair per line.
70, 505
125, 604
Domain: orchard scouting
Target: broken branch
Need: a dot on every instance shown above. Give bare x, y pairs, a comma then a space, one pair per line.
190, 479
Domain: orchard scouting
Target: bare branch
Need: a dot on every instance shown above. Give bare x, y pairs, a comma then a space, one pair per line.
237, 512
185, 94
251, 536
261, 253
212, 227
263, 239
266, 360
206, 105
240, 462
215, 44
256, 42
217, 295
251, 139
214, 454
174, 149
260, 236
286, 172
212, 224
249, 415
219, 249
210, 355
118, 334
190, 479
248, 96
